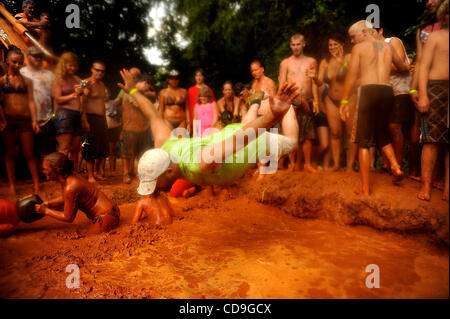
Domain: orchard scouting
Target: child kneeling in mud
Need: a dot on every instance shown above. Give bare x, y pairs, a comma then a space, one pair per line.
156, 207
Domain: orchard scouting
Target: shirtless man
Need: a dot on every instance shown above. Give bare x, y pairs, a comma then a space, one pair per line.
136, 134
402, 118
433, 103
371, 60
173, 103
95, 148
302, 70
262, 83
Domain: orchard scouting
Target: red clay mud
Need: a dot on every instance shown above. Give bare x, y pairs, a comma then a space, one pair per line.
246, 243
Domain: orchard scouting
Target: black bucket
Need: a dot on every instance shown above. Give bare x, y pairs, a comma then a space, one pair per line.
25, 208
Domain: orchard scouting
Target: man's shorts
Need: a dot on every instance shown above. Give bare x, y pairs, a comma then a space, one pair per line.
435, 122
135, 143
306, 124
95, 143
375, 105
402, 110
68, 122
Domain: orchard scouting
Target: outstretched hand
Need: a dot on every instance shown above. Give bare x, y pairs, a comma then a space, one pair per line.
128, 81
283, 100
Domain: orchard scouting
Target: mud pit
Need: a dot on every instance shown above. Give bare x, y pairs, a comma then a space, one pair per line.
239, 245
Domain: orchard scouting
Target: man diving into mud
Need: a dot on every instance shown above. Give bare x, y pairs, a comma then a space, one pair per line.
217, 159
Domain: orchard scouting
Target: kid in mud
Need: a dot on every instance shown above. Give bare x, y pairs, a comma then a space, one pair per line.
216, 157
77, 194
156, 209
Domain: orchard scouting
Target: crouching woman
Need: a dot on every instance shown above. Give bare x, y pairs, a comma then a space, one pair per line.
77, 194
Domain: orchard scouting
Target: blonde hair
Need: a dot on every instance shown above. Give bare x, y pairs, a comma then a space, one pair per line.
362, 25
442, 11
298, 36
204, 92
64, 59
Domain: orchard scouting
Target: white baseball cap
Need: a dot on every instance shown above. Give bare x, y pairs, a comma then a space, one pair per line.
152, 164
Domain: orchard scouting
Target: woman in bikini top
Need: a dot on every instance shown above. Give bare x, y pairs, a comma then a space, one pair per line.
18, 118
173, 104
77, 194
332, 72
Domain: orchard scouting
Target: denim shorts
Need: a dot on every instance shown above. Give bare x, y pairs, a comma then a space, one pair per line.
68, 122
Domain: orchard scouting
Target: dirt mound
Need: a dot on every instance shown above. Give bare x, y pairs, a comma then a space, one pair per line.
333, 197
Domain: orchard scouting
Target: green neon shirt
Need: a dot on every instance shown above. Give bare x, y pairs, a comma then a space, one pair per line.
186, 153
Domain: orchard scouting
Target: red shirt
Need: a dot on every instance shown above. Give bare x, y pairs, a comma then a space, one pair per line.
192, 96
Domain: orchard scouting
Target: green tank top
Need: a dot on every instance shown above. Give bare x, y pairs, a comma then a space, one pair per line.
186, 152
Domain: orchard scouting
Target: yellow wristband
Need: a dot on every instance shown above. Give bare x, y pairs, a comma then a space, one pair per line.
45, 203
412, 91
316, 103
344, 101
132, 91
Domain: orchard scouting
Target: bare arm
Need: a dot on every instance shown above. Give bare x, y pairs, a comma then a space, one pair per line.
188, 110
215, 114
423, 74
315, 87
139, 212
70, 207
32, 105
282, 76
419, 47
399, 49
279, 107
400, 64
350, 80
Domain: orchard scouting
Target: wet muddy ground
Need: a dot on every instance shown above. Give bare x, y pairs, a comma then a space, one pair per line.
235, 245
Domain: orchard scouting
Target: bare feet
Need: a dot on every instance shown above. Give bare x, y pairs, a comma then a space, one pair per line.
425, 193
334, 169
310, 169
415, 178
361, 190
92, 180
99, 178
398, 175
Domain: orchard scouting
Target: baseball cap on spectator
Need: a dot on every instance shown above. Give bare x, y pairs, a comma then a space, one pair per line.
34, 51
174, 74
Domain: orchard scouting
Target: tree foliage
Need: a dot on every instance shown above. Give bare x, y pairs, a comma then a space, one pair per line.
225, 36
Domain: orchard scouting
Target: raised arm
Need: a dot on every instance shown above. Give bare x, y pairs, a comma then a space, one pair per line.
160, 130
279, 107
